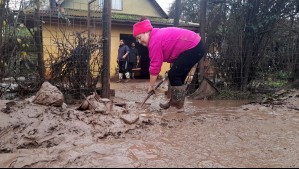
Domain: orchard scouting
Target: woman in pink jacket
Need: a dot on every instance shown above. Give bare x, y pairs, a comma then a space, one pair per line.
181, 47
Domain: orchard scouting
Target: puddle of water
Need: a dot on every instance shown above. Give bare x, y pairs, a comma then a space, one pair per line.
214, 106
218, 103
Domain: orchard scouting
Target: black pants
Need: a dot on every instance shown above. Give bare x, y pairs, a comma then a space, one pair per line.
184, 63
122, 66
131, 65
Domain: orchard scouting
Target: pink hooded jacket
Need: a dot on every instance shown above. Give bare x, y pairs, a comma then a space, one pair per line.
166, 44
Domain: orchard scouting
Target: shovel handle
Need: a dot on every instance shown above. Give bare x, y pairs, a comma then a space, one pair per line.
153, 91
164, 78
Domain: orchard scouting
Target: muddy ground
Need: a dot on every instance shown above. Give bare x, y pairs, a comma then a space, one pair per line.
209, 134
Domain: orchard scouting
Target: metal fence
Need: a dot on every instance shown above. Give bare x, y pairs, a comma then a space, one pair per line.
42, 41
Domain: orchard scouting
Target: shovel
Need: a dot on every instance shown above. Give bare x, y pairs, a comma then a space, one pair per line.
153, 91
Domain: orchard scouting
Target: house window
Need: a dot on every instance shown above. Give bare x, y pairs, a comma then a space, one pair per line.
116, 4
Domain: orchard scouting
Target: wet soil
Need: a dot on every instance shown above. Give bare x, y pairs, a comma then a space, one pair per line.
208, 134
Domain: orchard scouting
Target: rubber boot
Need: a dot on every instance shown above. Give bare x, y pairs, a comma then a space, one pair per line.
178, 94
120, 77
133, 76
166, 105
127, 76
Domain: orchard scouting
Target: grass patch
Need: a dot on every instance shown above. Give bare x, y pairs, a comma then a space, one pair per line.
230, 94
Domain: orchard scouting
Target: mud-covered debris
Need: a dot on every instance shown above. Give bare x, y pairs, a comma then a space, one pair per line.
124, 105
213, 135
63, 107
130, 118
105, 100
49, 95
96, 104
294, 108
108, 103
205, 90
279, 97
7, 109
4, 150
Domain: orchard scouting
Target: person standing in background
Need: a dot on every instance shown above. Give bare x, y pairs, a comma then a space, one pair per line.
133, 59
123, 52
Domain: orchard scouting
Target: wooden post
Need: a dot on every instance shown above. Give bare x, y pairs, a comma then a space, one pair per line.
106, 49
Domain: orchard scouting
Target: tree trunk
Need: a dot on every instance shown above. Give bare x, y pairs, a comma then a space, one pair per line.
2, 9
297, 61
52, 4
177, 17
248, 41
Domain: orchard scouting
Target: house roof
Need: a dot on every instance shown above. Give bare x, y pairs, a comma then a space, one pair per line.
158, 7
116, 18
59, 1
78, 15
153, 2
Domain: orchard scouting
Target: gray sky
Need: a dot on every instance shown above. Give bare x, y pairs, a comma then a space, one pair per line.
165, 4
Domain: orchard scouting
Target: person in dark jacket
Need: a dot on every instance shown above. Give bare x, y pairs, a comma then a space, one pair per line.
123, 52
132, 59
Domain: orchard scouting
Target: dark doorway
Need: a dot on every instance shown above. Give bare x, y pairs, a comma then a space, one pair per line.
144, 62
128, 39
143, 52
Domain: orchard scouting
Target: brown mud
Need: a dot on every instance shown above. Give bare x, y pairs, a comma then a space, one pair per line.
208, 134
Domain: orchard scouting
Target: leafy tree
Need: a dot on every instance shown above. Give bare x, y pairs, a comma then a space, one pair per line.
190, 9
246, 37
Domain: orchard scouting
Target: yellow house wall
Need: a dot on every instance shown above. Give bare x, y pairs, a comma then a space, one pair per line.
51, 32
115, 37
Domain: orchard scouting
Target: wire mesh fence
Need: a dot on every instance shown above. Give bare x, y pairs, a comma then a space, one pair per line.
44, 41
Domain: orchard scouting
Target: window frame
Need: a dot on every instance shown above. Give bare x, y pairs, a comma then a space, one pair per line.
113, 4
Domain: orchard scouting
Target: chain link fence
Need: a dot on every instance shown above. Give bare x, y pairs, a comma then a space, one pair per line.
43, 41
